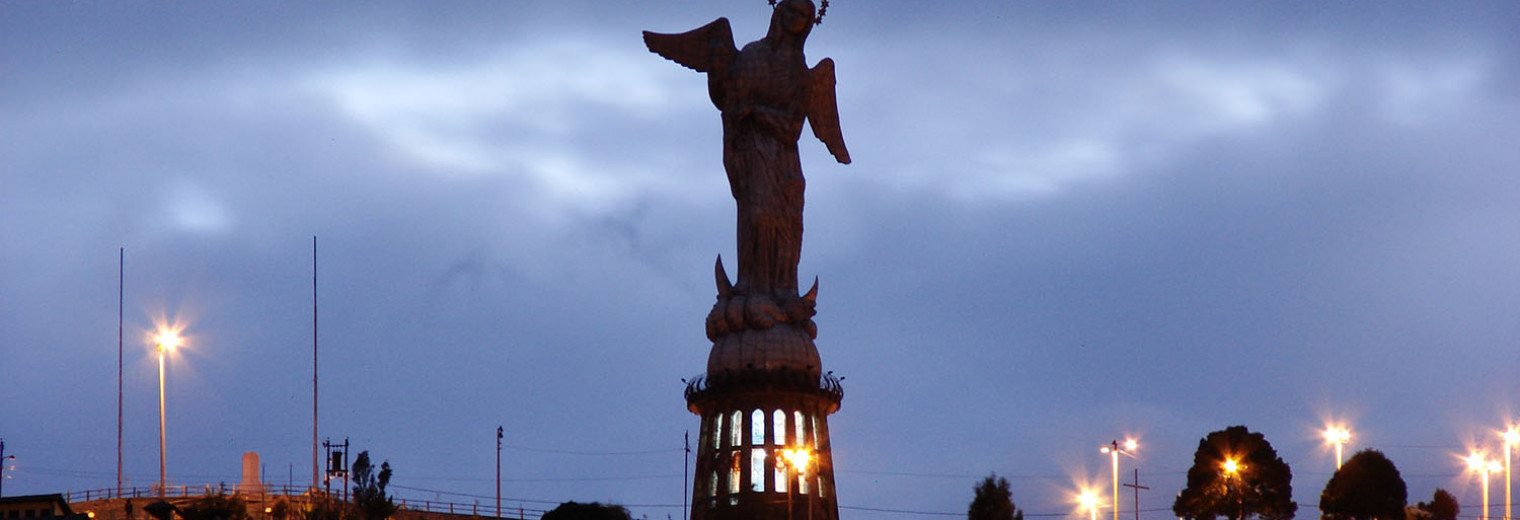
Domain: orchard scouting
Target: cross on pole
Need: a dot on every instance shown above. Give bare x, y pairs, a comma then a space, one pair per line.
1137, 487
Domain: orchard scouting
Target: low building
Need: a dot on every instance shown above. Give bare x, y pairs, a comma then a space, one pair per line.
38, 506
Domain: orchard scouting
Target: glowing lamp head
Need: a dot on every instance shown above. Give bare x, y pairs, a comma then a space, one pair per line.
1511, 436
1475, 462
797, 458
1337, 435
1231, 466
168, 340
1130, 445
1088, 499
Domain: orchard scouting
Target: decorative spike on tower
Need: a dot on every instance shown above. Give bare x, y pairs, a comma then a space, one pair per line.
764, 450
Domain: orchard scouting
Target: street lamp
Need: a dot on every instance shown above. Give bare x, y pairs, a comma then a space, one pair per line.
1113, 450
167, 341
1479, 463
1511, 437
1338, 436
797, 461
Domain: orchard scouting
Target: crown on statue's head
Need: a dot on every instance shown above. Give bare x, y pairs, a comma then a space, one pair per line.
823, 7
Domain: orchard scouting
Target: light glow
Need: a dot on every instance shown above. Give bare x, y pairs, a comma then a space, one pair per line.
1088, 499
1231, 466
168, 340
797, 458
1339, 436
1476, 461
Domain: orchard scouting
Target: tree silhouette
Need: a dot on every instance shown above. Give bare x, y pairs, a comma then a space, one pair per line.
592, 511
1367, 487
1236, 474
1442, 506
215, 507
369, 489
993, 501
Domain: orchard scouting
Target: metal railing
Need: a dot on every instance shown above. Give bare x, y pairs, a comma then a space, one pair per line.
296, 494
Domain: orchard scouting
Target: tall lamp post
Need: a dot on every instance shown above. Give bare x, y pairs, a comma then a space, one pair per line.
167, 341
1511, 437
1339, 437
1479, 463
1113, 450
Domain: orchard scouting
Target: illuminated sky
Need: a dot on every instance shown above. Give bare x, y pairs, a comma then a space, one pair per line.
1065, 224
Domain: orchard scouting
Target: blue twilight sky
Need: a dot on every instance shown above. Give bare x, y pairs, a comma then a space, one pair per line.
1066, 223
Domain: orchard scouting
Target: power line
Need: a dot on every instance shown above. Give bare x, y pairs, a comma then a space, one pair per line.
595, 453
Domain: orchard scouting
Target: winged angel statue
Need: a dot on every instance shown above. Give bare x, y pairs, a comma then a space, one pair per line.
764, 92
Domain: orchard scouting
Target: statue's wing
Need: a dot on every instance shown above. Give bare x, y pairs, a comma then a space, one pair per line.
706, 48
823, 111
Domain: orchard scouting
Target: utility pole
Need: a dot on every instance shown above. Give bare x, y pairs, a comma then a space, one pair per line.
337, 464
1137, 487
685, 466
2, 466
498, 471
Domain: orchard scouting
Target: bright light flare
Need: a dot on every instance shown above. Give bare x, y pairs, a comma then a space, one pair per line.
798, 458
1088, 499
1131, 444
1337, 435
168, 340
1231, 466
1477, 462
1511, 436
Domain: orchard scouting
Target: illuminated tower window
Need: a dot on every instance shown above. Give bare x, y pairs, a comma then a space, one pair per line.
757, 469
736, 429
733, 474
717, 431
757, 428
778, 427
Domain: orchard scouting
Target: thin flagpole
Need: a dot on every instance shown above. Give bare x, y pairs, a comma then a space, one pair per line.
121, 275
315, 478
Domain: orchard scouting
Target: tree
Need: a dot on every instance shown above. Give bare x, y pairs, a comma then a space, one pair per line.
1235, 474
1442, 506
1367, 487
592, 511
369, 489
993, 501
215, 507
323, 506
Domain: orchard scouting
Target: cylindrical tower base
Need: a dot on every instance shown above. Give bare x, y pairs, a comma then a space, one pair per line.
764, 450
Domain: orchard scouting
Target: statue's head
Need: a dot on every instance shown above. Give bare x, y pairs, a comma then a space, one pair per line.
792, 19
